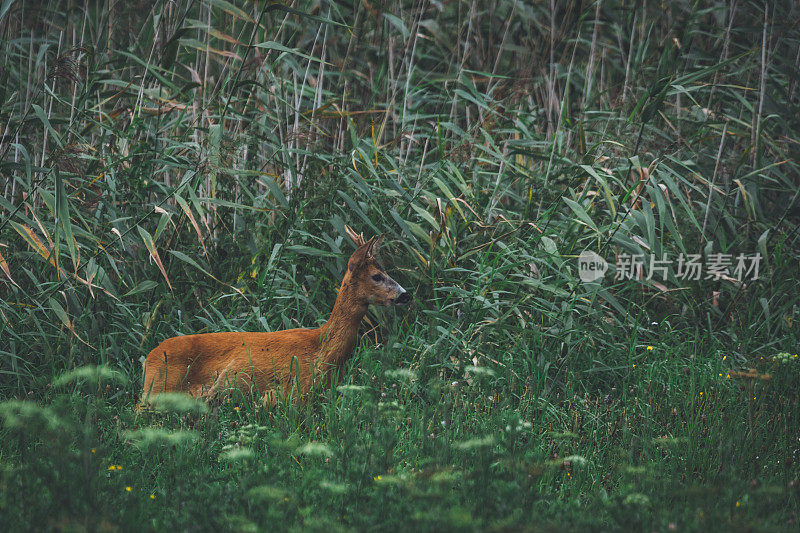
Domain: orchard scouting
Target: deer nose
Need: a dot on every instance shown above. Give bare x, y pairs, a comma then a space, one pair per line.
403, 298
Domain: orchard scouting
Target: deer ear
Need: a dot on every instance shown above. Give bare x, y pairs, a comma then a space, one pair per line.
373, 245
358, 239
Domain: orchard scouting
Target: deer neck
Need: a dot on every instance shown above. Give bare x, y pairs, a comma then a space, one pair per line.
339, 334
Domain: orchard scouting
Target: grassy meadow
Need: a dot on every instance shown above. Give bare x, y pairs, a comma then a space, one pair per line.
170, 167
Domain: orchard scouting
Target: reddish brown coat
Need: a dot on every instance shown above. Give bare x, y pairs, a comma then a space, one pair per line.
281, 362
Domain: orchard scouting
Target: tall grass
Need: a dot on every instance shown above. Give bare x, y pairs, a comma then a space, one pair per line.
181, 167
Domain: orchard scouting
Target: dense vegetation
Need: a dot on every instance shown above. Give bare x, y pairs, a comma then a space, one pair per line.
173, 167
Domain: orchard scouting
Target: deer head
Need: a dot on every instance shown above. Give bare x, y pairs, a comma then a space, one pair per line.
364, 273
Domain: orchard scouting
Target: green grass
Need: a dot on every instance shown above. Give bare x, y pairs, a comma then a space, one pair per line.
672, 442
181, 167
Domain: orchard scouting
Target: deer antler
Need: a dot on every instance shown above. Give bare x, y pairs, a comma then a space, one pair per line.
358, 239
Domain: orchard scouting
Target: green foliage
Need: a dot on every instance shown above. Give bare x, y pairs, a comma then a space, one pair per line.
176, 402
147, 437
185, 167
93, 376
27, 416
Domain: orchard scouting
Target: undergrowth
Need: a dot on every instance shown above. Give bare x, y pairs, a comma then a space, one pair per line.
185, 167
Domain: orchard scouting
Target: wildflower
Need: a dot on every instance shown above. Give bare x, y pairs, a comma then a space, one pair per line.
401, 374
333, 488
701, 393
236, 453
92, 375
575, 460
724, 357
478, 442
267, 493
319, 449
479, 370
728, 376
636, 498
146, 437
177, 402
128, 489
351, 388
738, 503
649, 348
286, 499
236, 408
152, 496
720, 375
377, 478
115, 467
634, 365
94, 450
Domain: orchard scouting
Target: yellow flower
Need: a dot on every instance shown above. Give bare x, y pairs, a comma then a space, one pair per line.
738, 504
724, 357
720, 375
286, 499
701, 393
634, 365
728, 376
128, 489
93, 450
377, 478
152, 496
115, 467
649, 348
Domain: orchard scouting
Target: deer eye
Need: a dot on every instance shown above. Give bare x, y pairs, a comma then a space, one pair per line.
377, 277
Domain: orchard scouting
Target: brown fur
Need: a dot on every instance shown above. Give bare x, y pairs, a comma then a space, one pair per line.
281, 362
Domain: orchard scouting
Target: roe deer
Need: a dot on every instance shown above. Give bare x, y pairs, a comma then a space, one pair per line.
280, 362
